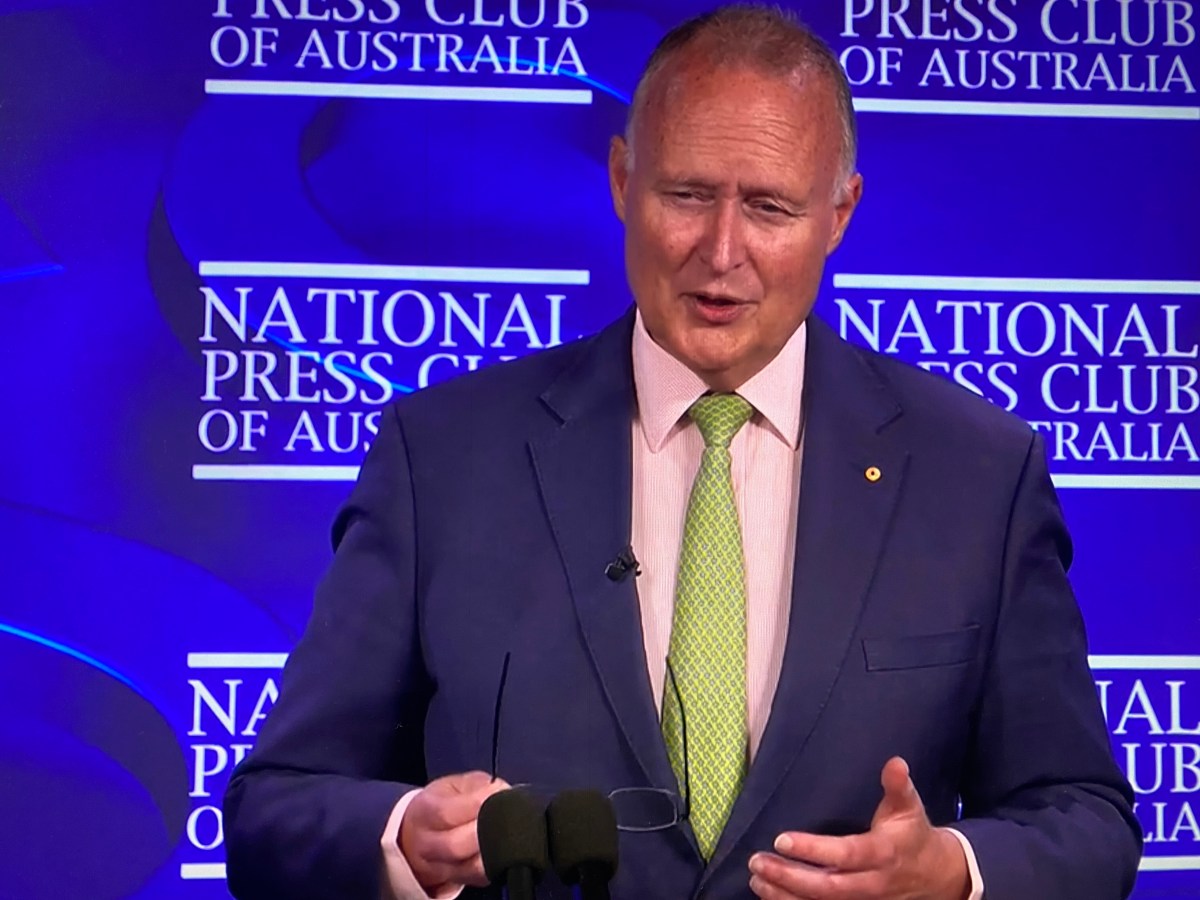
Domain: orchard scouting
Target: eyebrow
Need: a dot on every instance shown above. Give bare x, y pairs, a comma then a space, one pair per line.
671, 181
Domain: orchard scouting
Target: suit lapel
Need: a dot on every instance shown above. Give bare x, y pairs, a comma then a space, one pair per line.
584, 468
842, 523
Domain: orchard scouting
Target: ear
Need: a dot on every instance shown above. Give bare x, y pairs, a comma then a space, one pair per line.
843, 210
618, 173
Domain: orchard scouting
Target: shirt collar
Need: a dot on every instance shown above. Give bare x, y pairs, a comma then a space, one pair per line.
666, 388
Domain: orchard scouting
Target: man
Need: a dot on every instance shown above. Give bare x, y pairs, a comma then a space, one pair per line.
856, 570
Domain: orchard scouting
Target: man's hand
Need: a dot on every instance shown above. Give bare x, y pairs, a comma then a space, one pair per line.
438, 836
902, 857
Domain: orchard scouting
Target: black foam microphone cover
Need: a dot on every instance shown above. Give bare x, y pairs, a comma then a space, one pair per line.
512, 839
582, 828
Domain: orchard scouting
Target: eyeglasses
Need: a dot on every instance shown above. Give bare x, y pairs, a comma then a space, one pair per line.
637, 809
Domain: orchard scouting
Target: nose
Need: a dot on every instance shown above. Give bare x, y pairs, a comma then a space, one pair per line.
724, 246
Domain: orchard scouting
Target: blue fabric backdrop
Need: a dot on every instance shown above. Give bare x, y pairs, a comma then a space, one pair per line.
231, 230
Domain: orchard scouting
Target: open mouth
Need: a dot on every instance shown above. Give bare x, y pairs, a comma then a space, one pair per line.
716, 308
717, 301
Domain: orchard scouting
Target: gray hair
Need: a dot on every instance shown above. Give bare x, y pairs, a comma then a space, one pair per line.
766, 38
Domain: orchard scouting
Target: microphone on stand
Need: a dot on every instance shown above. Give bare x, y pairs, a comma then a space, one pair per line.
512, 842
582, 830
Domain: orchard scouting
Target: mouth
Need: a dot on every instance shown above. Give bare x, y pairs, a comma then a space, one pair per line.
716, 309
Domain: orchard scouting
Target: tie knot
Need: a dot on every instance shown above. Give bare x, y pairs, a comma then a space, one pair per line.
719, 417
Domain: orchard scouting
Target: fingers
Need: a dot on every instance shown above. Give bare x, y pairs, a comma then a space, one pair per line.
443, 857
897, 782
440, 858
471, 782
853, 853
886, 861
455, 800
438, 835
457, 845
776, 878
900, 796
768, 890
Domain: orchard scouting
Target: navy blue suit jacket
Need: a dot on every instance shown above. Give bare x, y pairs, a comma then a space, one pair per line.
931, 618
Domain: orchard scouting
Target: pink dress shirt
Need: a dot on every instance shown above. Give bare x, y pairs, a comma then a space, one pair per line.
667, 445
765, 457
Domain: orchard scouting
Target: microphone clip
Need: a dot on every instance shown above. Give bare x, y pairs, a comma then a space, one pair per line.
624, 563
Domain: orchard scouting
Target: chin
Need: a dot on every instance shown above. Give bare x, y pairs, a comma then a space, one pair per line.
714, 370
704, 354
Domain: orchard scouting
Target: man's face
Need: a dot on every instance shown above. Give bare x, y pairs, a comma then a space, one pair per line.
730, 208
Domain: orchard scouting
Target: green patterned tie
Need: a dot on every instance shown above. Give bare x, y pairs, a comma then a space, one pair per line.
708, 631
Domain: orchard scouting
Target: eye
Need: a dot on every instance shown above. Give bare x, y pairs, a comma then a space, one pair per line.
768, 207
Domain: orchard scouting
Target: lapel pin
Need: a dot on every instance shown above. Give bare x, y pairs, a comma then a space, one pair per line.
873, 474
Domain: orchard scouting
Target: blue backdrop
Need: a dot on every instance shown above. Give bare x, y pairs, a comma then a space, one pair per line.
232, 230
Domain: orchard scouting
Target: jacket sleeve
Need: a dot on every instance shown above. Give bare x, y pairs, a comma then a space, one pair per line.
1045, 807
304, 812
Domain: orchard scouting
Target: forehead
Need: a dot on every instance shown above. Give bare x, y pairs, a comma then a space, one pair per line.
738, 119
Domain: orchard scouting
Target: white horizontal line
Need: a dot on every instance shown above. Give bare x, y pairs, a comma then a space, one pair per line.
195, 871
1036, 110
1169, 863
236, 660
250, 472
472, 274
245, 88
1149, 663
1017, 285
257, 472
1129, 482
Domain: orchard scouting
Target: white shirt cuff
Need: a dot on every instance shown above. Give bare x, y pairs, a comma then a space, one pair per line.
398, 882
972, 865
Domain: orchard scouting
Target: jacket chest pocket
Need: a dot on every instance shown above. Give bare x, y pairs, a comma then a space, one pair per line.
922, 651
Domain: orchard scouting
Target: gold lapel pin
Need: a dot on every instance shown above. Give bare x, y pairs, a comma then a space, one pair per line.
873, 474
